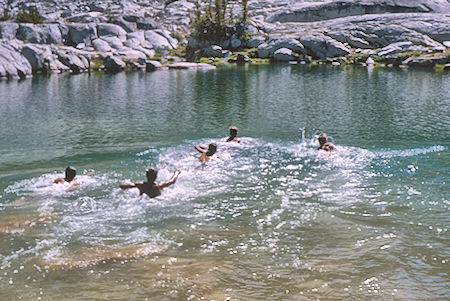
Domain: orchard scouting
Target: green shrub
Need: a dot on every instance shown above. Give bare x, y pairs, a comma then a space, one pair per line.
218, 22
32, 15
176, 35
6, 15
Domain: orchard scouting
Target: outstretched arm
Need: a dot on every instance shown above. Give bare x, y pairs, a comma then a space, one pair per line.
129, 185
200, 149
171, 181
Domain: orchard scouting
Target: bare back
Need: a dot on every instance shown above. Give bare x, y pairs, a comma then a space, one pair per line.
151, 189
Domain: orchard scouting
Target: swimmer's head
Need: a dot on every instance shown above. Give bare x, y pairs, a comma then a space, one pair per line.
233, 131
212, 148
322, 138
151, 174
71, 172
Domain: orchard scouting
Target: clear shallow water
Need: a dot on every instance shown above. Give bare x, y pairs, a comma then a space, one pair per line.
275, 220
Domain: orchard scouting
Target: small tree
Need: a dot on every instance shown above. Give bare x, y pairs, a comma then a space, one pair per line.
32, 15
217, 23
244, 4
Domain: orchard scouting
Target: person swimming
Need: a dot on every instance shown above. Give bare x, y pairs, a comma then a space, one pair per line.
233, 135
69, 177
150, 188
324, 144
207, 154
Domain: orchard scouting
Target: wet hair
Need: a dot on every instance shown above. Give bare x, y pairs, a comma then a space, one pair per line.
151, 174
233, 130
71, 172
322, 138
212, 148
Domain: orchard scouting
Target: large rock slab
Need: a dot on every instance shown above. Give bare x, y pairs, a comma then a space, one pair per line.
158, 41
322, 47
39, 33
8, 30
82, 33
12, 63
127, 26
101, 45
111, 30
319, 11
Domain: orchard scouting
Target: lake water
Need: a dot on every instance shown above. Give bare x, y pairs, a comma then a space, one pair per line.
274, 220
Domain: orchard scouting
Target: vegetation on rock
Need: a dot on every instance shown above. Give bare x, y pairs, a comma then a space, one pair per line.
6, 14
218, 22
32, 15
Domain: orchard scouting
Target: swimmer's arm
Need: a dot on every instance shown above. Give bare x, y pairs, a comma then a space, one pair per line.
130, 185
74, 184
171, 181
200, 149
59, 180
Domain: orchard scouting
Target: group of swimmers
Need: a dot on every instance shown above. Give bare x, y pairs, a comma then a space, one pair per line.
152, 189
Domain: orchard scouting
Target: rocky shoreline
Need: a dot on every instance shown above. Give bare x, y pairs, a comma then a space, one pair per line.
110, 35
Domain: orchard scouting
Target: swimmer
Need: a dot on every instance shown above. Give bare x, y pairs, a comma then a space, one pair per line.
68, 180
324, 144
233, 135
151, 188
207, 154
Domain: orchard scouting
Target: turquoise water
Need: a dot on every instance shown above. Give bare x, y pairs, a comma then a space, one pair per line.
274, 220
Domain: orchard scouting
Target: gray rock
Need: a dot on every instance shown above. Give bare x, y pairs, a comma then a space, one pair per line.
127, 26
101, 45
166, 34
97, 6
318, 11
132, 56
255, 42
242, 58
189, 65
427, 60
113, 42
153, 65
322, 47
394, 48
12, 63
283, 54
213, 51
111, 30
39, 33
138, 35
370, 61
446, 44
235, 42
72, 61
132, 18
266, 50
8, 30
89, 17
82, 33
114, 64
147, 24
34, 56
159, 42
